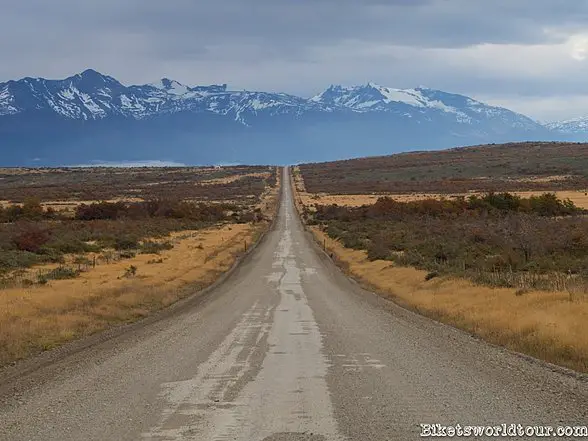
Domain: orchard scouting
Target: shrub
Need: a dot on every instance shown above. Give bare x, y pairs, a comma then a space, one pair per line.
150, 247
486, 238
61, 273
163, 208
127, 254
131, 271
31, 238
13, 259
71, 246
107, 256
82, 261
377, 251
100, 210
352, 240
32, 209
126, 243
431, 275
52, 254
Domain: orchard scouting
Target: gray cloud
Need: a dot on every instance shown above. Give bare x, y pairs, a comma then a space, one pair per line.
518, 50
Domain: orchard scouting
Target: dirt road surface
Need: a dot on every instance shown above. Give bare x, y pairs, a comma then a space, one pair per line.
286, 349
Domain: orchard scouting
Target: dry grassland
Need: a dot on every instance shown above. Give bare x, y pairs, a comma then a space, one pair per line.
546, 325
38, 318
41, 317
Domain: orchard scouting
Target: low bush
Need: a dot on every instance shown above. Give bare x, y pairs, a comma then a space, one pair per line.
497, 239
31, 238
31, 235
126, 243
156, 208
72, 246
150, 247
60, 273
13, 259
30, 210
131, 271
127, 254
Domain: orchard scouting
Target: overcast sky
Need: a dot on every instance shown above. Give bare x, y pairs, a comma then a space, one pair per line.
528, 55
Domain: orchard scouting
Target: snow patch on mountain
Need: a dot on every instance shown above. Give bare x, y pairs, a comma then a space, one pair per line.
574, 125
6, 100
373, 97
409, 96
171, 87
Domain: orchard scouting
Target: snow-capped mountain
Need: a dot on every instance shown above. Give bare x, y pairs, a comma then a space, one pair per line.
419, 103
92, 96
571, 126
91, 116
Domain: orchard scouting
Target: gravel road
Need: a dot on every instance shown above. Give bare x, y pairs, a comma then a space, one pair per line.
289, 349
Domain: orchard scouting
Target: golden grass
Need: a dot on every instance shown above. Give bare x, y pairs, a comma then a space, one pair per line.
42, 317
546, 325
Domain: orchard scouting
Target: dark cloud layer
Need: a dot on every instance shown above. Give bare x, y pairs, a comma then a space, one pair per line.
519, 48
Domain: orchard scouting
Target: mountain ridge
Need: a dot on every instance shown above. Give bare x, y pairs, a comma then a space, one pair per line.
91, 114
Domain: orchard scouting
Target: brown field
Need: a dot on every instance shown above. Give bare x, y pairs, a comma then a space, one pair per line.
128, 285
532, 166
69, 185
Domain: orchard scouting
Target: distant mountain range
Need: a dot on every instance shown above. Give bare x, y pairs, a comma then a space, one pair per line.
92, 118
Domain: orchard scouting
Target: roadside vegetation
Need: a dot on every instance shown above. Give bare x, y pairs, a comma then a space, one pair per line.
497, 239
31, 235
500, 253
71, 267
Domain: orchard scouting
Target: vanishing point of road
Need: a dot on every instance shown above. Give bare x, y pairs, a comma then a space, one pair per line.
285, 349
